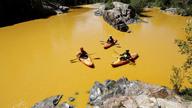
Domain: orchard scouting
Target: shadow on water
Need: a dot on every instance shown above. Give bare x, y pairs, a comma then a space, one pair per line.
144, 15
13, 12
146, 11
7, 21
76, 7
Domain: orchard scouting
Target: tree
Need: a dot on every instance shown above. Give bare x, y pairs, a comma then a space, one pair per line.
179, 75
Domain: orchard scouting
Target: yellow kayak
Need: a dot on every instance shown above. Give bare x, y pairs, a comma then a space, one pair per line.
108, 45
87, 61
119, 62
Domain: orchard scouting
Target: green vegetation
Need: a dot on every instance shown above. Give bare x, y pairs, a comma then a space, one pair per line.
184, 73
184, 7
138, 5
187, 93
109, 5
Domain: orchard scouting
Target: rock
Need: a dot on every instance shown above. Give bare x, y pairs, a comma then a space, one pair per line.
160, 93
133, 94
58, 8
63, 8
176, 11
171, 10
76, 93
71, 99
121, 15
52, 102
100, 10
64, 105
96, 91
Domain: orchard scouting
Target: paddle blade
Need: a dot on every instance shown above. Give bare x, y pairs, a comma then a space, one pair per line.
101, 41
118, 46
116, 52
73, 61
98, 58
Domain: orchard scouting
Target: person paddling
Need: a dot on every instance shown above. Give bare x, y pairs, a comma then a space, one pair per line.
82, 53
125, 56
110, 40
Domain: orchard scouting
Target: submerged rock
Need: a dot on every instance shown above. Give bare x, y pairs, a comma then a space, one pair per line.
52, 102
119, 16
133, 94
71, 99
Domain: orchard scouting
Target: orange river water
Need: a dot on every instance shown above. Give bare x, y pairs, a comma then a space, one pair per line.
34, 55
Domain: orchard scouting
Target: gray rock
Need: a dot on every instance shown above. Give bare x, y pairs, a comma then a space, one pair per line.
52, 102
133, 94
121, 15
58, 8
71, 99
176, 11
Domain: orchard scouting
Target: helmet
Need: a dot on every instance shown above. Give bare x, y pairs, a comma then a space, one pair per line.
81, 48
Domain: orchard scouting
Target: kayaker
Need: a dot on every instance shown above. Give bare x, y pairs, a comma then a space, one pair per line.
125, 56
110, 39
82, 53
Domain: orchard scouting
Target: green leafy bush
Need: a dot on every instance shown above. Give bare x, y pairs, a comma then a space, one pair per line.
138, 5
187, 93
180, 74
176, 79
109, 5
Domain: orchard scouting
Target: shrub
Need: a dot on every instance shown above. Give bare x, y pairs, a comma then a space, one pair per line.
179, 75
138, 5
187, 94
176, 79
162, 3
109, 5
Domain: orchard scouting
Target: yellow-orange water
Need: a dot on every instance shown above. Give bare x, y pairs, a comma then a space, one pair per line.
34, 55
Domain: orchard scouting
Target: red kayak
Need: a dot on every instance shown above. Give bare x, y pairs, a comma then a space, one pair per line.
119, 62
87, 61
108, 45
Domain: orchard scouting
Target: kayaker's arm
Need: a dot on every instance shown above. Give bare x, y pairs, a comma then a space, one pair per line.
78, 54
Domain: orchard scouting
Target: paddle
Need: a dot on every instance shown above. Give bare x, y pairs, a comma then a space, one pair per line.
116, 52
73, 61
77, 58
116, 44
101, 41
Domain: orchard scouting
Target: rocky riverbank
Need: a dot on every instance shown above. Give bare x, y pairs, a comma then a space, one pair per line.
119, 16
176, 11
134, 94
123, 93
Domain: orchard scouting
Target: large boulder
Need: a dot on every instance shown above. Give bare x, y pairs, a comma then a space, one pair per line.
133, 94
119, 16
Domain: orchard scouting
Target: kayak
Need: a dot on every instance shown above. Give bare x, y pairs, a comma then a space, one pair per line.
87, 61
119, 62
108, 45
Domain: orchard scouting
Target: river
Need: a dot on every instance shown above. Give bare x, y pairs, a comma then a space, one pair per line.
34, 55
